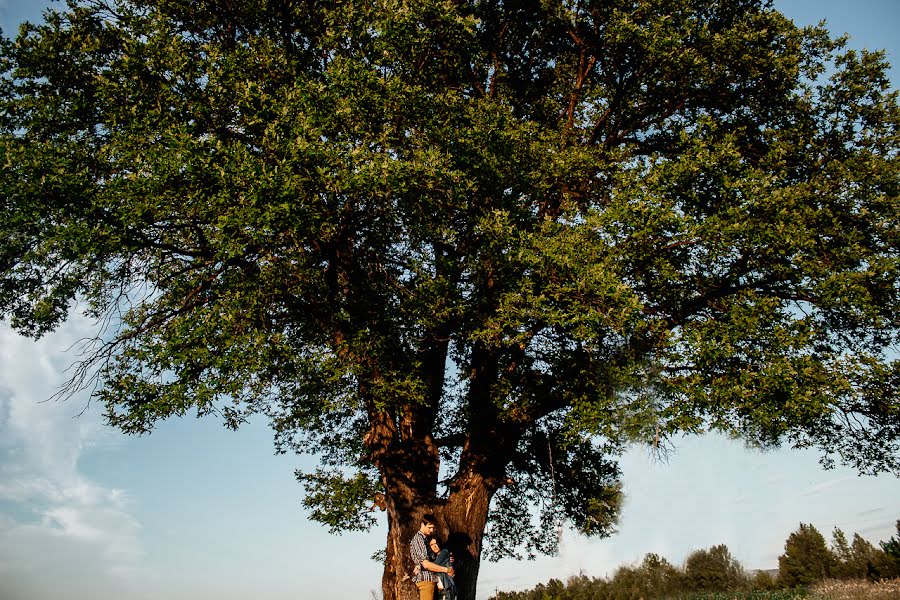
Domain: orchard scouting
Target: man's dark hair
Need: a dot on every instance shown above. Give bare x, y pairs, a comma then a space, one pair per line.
428, 519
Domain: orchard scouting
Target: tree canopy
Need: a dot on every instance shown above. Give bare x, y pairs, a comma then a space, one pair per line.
806, 558
464, 251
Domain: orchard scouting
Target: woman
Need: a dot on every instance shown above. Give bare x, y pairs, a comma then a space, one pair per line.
444, 559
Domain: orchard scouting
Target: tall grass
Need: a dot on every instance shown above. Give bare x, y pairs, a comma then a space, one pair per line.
832, 589
856, 589
754, 595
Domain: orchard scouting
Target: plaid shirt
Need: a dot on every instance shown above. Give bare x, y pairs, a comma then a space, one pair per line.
418, 550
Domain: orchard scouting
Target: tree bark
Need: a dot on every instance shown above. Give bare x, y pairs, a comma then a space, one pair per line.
465, 518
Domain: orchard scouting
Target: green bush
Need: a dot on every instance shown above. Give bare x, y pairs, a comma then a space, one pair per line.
714, 570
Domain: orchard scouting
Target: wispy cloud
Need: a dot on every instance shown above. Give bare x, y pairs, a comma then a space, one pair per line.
871, 511
826, 485
47, 501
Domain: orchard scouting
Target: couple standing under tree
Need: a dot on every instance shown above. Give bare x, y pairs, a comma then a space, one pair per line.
433, 565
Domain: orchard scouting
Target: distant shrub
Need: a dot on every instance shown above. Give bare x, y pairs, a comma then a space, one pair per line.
763, 581
714, 570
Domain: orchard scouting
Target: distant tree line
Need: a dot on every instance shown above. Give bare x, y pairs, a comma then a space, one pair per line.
807, 559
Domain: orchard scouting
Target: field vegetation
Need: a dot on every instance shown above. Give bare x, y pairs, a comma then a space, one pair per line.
809, 568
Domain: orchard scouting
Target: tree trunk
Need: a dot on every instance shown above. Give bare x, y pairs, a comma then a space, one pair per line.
460, 523
465, 517
396, 583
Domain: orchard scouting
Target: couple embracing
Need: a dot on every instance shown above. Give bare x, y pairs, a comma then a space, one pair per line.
433, 565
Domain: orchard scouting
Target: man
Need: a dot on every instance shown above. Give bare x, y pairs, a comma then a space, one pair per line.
426, 575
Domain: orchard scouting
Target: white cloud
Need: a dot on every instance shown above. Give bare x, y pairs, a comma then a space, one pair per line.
17, 486
826, 485
871, 511
52, 513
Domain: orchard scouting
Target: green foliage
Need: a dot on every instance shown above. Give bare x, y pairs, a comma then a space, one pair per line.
659, 577
891, 548
843, 559
714, 574
862, 560
714, 570
806, 558
665, 582
763, 581
341, 502
442, 244
870, 562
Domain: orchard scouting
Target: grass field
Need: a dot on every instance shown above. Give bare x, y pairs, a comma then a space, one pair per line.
857, 590
827, 590
771, 595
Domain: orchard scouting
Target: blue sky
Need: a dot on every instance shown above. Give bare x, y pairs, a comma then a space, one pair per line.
197, 512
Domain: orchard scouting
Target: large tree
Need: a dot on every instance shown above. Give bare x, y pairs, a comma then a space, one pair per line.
462, 250
806, 558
